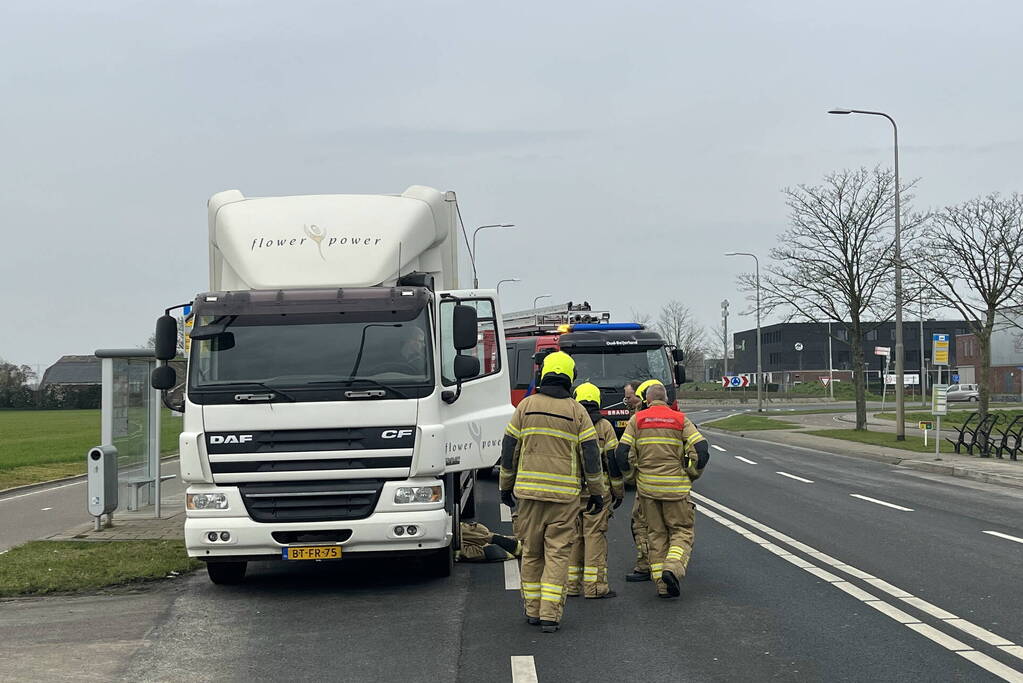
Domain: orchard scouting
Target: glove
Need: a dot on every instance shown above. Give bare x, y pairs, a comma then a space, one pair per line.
595, 504
508, 499
618, 500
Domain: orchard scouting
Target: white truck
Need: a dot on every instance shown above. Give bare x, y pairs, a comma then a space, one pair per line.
341, 390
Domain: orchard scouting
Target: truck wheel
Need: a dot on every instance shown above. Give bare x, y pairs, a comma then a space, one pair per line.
226, 573
440, 563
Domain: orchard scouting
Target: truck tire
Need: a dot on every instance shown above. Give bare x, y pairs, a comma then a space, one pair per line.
226, 573
439, 563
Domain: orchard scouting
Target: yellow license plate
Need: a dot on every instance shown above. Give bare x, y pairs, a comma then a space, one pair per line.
623, 423
312, 552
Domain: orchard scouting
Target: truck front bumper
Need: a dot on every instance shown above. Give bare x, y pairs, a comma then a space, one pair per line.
375, 534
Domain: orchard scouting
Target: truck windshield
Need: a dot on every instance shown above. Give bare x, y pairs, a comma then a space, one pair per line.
311, 351
614, 369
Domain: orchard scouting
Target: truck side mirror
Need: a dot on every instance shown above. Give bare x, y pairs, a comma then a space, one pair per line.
163, 378
680, 374
222, 342
677, 355
466, 367
166, 339
464, 327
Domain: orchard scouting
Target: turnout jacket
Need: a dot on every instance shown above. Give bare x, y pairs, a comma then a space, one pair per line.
550, 451
607, 441
657, 444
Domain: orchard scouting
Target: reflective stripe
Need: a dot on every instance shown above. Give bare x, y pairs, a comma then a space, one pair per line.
693, 438
627, 439
647, 440
549, 488
512, 431
549, 598
551, 586
587, 434
548, 431
567, 478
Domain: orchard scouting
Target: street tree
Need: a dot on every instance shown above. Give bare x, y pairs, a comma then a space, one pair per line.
14, 385
972, 262
835, 261
677, 326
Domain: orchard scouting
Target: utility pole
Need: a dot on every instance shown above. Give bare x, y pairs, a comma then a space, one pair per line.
724, 327
831, 367
923, 377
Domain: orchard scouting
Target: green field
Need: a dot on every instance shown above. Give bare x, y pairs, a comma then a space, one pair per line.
912, 443
38, 445
747, 423
60, 566
955, 418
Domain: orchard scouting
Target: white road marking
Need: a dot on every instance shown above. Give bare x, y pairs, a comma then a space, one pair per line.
512, 580
32, 493
978, 658
505, 513
881, 502
745, 460
714, 445
45, 509
1001, 535
523, 669
792, 476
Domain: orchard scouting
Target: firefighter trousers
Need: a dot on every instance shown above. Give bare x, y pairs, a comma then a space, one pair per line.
547, 531
671, 524
639, 537
589, 555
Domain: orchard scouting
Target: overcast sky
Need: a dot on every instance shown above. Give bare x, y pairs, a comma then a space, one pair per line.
632, 143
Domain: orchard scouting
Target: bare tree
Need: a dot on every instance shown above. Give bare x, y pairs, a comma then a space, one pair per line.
973, 262
151, 342
834, 263
641, 318
719, 342
679, 328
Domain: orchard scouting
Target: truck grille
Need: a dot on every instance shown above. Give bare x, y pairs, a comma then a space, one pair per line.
314, 501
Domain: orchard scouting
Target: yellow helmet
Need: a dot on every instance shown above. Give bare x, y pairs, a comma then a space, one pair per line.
641, 391
587, 392
559, 363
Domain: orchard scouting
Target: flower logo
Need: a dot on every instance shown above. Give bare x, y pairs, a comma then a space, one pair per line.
316, 234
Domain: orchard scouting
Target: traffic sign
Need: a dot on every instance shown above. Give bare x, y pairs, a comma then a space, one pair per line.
939, 349
735, 381
906, 379
926, 425
825, 380
955, 378
882, 350
799, 346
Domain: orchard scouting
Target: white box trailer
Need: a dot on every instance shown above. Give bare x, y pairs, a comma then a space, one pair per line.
341, 390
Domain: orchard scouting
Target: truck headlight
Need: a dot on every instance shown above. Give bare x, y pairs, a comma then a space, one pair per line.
206, 501
417, 494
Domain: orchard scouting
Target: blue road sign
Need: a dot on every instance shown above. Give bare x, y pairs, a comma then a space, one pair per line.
736, 381
955, 379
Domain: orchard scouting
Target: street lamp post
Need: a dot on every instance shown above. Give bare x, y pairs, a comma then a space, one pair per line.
900, 389
760, 371
536, 299
501, 282
475, 279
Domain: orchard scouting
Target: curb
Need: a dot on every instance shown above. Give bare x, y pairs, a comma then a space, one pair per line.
55, 482
948, 469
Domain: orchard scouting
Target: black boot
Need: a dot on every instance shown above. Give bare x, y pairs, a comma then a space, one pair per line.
671, 583
609, 594
533, 621
637, 575
549, 626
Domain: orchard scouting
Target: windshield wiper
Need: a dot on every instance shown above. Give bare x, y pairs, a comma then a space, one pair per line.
251, 397
353, 380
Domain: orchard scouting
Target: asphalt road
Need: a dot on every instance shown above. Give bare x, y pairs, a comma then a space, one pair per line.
792, 579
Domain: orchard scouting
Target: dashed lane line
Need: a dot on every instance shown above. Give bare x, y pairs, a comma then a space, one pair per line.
1003, 644
881, 502
715, 446
1005, 536
792, 476
512, 579
33, 493
505, 513
523, 669
745, 460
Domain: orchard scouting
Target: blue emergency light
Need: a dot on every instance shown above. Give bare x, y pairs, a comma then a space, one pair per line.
603, 327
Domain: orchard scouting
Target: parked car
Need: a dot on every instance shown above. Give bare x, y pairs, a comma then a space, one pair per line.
963, 392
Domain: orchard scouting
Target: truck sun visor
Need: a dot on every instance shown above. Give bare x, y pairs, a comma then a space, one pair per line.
402, 303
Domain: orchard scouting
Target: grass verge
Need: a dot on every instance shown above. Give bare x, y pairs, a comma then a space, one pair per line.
39, 445
43, 567
747, 423
955, 418
912, 443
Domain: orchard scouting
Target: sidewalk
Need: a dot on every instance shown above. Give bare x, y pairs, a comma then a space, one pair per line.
987, 470
134, 526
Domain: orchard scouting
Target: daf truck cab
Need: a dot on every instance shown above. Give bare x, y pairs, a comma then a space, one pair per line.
341, 389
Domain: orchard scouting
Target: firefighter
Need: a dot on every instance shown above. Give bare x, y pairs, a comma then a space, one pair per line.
655, 445
480, 544
549, 451
641, 571
589, 554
